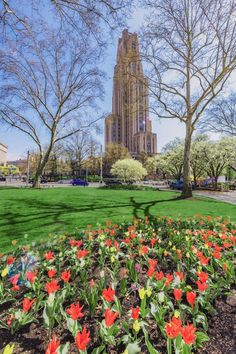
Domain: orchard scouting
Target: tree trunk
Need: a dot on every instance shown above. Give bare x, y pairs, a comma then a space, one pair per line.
187, 185
215, 184
40, 167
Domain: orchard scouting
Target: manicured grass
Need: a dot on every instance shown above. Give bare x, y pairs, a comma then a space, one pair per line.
40, 212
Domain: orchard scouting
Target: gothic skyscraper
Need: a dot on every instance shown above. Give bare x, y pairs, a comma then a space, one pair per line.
129, 124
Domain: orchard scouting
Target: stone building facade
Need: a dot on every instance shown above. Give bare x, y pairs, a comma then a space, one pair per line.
3, 154
129, 122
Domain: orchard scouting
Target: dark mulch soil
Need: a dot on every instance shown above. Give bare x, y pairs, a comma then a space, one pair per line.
222, 327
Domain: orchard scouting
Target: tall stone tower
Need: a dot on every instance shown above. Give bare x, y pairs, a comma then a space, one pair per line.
128, 124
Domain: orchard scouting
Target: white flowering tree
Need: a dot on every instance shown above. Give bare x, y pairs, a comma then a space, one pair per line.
128, 170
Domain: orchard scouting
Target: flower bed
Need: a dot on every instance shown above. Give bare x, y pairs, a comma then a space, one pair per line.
145, 287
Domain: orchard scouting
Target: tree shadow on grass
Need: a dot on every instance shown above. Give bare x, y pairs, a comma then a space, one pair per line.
35, 217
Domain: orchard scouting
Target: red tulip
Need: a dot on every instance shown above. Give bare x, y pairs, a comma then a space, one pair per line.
188, 333
169, 278
110, 317
159, 275
49, 255
30, 276
173, 328
135, 313
202, 276
191, 296
75, 311
180, 275
177, 294
52, 286
92, 283
82, 253
82, 339
201, 286
65, 276
27, 304
53, 346
108, 294
52, 273
14, 281
10, 260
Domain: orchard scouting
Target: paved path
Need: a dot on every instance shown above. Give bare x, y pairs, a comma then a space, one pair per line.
228, 197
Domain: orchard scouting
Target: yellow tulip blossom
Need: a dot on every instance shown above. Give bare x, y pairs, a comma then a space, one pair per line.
4, 272
136, 326
149, 292
142, 293
8, 349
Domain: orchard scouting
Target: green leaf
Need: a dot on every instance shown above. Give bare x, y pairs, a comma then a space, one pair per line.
201, 338
98, 350
64, 349
133, 348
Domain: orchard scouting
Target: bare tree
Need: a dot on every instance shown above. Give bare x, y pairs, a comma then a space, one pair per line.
49, 90
190, 48
79, 148
92, 16
221, 117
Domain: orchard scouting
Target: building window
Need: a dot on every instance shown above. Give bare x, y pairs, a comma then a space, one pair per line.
133, 45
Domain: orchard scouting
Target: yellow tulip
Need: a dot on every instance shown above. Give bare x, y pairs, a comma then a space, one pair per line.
149, 292
176, 314
4, 272
8, 349
136, 326
142, 293
14, 242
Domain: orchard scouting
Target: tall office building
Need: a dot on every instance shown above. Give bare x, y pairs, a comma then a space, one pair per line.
129, 123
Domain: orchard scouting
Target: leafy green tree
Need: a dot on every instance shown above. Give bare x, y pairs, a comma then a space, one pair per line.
218, 156
128, 170
198, 160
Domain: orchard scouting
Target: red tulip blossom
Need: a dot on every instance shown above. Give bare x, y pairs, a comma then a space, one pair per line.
143, 250
108, 243
202, 276
173, 328
75, 311
150, 272
178, 294
49, 255
152, 263
76, 243
135, 313
27, 304
31, 276
180, 275
82, 253
159, 275
201, 286
169, 278
65, 276
191, 296
14, 281
53, 346
10, 260
108, 294
216, 255
110, 317
188, 333
82, 339
52, 273
92, 283
52, 286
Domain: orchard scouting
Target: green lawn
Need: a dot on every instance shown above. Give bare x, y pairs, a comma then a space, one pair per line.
40, 212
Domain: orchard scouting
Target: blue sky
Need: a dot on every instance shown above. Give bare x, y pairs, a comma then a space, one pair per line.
166, 129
